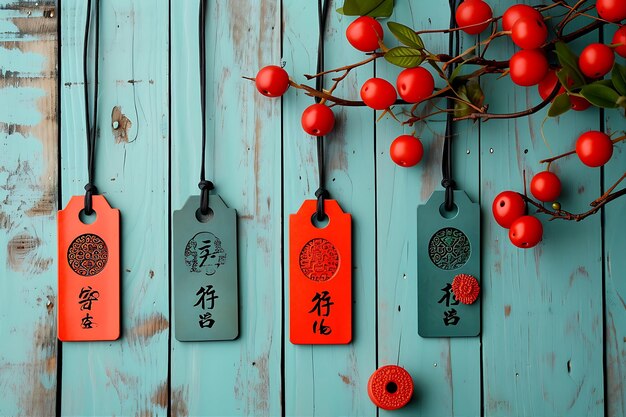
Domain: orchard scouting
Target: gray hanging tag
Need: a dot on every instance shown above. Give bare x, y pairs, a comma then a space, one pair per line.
206, 300
448, 245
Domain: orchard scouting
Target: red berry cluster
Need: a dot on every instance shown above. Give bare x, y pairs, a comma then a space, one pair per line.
413, 85
528, 31
593, 148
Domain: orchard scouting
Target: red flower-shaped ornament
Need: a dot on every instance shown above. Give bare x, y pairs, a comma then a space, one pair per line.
465, 288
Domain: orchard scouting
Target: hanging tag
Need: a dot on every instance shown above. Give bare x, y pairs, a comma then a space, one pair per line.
206, 300
89, 272
320, 276
448, 245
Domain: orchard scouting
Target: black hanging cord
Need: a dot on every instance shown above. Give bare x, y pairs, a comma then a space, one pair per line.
321, 193
446, 163
204, 185
90, 187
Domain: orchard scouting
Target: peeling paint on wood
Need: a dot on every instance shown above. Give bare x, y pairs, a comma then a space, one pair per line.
120, 125
28, 173
544, 360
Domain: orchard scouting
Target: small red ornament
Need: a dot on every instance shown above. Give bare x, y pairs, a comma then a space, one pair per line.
390, 387
465, 288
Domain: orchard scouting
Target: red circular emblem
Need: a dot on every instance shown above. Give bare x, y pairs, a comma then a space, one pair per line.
390, 387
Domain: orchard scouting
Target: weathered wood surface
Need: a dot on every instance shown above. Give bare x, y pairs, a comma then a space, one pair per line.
28, 203
542, 308
331, 380
554, 317
128, 376
242, 377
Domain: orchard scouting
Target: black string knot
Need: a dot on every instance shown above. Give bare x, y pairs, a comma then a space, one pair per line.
321, 194
90, 191
205, 187
447, 183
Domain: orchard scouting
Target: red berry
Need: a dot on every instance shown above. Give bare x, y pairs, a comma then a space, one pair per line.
594, 148
415, 84
272, 81
620, 38
529, 32
378, 93
507, 207
406, 150
528, 67
526, 232
513, 13
473, 14
611, 10
364, 33
545, 186
596, 60
579, 103
548, 84
318, 120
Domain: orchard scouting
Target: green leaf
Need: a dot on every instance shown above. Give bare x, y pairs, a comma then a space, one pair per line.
475, 94
406, 35
404, 57
460, 108
560, 105
455, 73
569, 61
601, 96
373, 8
618, 77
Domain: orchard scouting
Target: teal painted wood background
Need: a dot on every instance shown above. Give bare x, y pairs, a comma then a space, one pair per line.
554, 317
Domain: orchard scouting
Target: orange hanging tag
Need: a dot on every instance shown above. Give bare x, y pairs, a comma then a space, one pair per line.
89, 272
320, 276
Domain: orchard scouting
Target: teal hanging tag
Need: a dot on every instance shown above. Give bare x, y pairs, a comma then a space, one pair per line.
206, 300
448, 269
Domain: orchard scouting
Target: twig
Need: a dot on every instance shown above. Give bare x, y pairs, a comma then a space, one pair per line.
563, 155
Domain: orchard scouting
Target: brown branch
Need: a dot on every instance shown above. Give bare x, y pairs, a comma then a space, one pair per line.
535, 109
566, 215
568, 17
347, 68
563, 155
456, 29
608, 192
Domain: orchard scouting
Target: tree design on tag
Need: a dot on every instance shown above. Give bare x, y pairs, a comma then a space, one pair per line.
87, 255
319, 260
204, 253
449, 248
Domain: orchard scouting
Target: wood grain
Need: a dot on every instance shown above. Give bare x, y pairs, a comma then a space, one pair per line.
28, 202
331, 380
446, 372
242, 377
614, 270
542, 315
553, 340
124, 377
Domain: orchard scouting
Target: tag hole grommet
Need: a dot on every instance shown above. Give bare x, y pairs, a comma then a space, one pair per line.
448, 214
320, 224
87, 218
204, 218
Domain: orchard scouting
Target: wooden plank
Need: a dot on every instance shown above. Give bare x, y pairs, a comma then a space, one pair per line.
542, 310
28, 202
331, 380
241, 377
127, 377
615, 267
446, 371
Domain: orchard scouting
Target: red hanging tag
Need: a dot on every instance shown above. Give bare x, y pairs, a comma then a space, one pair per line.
89, 272
320, 276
